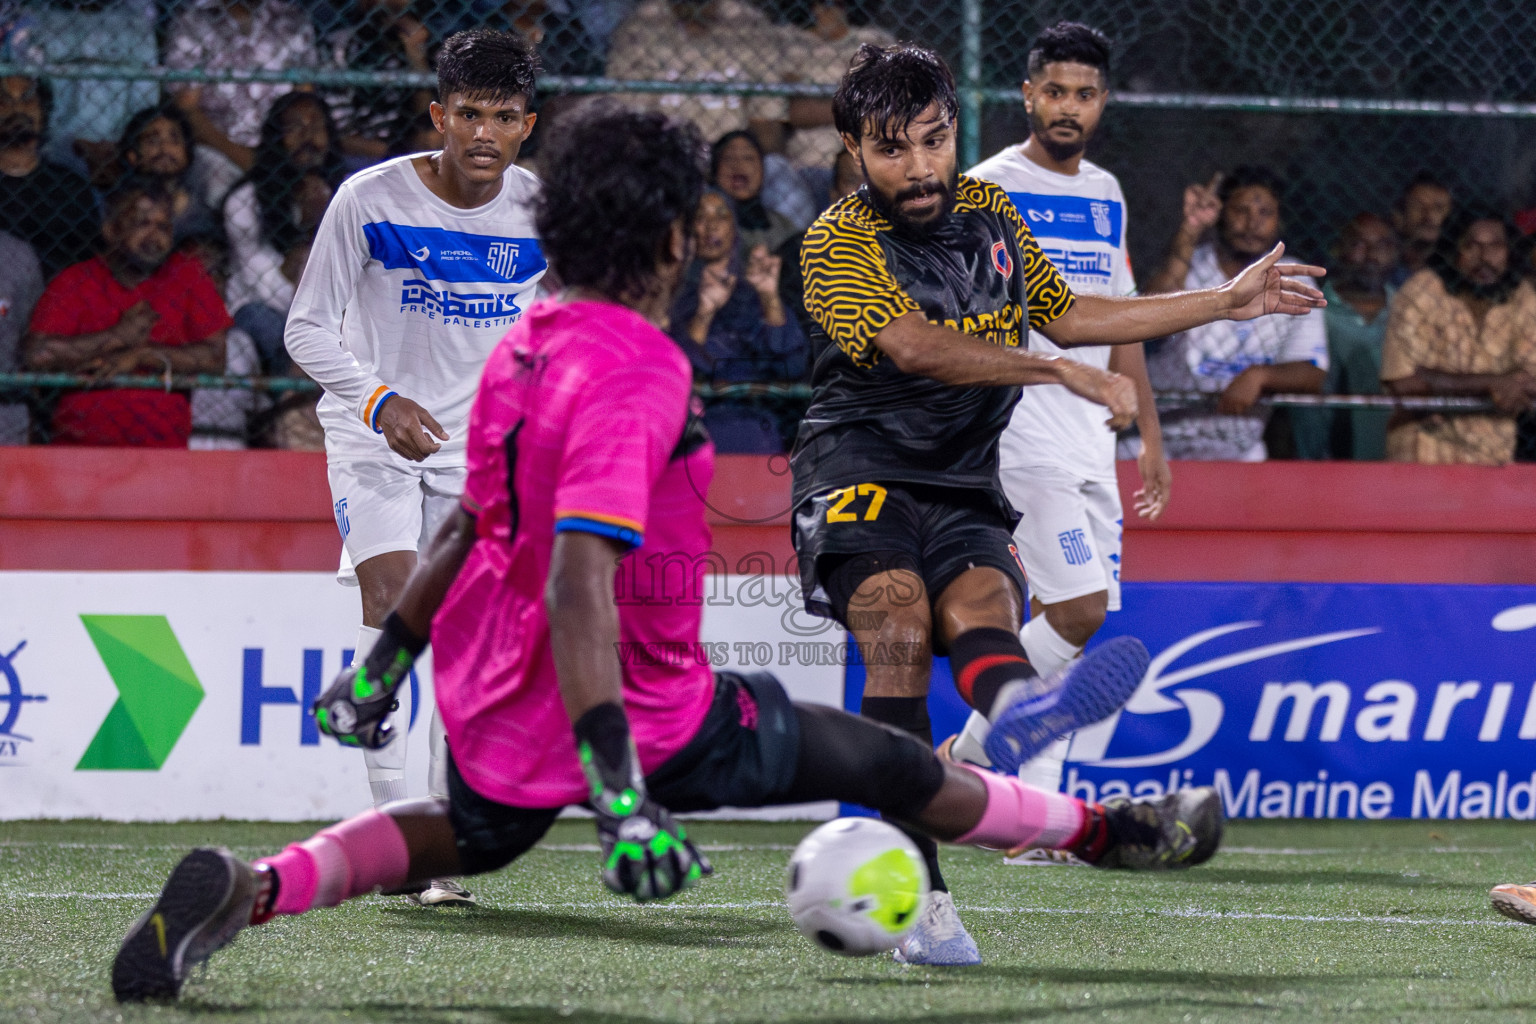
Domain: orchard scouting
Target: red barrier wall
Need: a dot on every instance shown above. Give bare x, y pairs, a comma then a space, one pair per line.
130, 509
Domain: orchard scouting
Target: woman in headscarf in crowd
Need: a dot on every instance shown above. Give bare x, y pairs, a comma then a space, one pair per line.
736, 168
730, 322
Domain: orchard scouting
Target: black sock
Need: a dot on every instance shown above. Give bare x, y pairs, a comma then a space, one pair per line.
984, 661
910, 715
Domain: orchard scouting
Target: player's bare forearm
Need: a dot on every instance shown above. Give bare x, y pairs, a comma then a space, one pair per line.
1263, 288
584, 621
436, 569
1131, 360
925, 349
1124, 320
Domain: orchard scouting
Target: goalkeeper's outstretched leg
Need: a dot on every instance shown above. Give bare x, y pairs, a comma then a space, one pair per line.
754, 747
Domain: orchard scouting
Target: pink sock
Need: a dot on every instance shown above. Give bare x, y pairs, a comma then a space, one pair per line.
1020, 815
348, 859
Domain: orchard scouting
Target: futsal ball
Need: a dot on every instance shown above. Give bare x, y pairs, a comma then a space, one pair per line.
856, 886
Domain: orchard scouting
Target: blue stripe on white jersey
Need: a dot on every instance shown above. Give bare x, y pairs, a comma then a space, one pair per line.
444, 255
1071, 218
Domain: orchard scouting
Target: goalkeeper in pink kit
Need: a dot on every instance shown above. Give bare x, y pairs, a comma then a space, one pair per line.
582, 447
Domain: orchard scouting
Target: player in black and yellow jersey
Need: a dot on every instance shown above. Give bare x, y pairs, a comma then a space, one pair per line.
923, 285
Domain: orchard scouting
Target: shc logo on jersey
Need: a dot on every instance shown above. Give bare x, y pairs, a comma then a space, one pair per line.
1001, 261
502, 257
342, 522
1101, 223
1074, 546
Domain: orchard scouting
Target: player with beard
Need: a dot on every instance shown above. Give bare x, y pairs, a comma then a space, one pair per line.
1056, 460
922, 286
584, 454
419, 266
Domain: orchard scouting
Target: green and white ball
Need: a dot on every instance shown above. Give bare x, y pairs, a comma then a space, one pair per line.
856, 886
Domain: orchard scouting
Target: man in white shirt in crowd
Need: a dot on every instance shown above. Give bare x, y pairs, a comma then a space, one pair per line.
1057, 458
1237, 363
419, 267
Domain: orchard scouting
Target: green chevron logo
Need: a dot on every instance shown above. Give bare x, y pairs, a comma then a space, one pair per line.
157, 692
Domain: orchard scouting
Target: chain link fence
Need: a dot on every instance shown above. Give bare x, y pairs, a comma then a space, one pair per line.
1345, 100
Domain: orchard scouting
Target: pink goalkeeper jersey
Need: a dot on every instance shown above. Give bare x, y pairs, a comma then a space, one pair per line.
578, 425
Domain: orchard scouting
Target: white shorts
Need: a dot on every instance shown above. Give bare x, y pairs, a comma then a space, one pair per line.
1069, 538
383, 506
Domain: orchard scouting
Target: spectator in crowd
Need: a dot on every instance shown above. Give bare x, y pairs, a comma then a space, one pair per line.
43, 203
138, 307
704, 40
1417, 216
224, 35
816, 52
846, 177
736, 168
1464, 325
564, 44
1237, 362
728, 319
273, 211
1359, 294
89, 115
386, 35
21, 283
158, 143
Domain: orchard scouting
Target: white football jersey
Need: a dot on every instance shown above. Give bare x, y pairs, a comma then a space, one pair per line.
406, 294
1079, 221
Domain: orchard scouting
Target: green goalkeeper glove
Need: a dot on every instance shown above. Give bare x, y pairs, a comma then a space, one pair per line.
355, 708
645, 853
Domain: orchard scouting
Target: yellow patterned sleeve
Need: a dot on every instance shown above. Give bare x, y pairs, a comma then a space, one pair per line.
1048, 294
849, 289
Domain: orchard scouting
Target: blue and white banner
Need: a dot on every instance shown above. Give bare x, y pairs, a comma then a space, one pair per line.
1319, 700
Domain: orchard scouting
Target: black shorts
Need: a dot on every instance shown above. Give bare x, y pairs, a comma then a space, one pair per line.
743, 755
847, 535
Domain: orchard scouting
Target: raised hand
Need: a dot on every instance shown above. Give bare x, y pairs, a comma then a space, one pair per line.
762, 271
1202, 208
1264, 288
715, 287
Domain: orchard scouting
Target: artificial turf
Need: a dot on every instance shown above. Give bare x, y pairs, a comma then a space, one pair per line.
1380, 921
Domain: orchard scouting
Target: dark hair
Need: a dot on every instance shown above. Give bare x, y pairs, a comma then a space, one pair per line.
1250, 176
1423, 179
717, 151
1069, 42
485, 64
887, 88
130, 190
146, 117
276, 179
615, 182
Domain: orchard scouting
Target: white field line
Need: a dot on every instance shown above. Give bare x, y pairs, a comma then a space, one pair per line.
1189, 913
